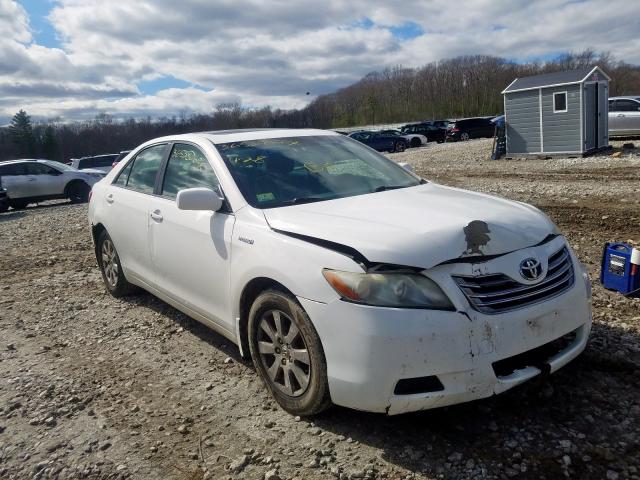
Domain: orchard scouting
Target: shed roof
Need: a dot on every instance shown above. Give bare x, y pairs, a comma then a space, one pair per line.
556, 78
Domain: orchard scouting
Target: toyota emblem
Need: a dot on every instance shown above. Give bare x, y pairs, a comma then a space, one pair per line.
530, 269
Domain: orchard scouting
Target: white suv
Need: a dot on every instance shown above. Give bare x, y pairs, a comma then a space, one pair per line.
346, 278
29, 181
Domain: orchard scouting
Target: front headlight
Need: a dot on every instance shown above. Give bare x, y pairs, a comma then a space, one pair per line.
404, 290
585, 277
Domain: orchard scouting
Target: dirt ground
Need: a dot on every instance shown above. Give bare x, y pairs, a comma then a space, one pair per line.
94, 387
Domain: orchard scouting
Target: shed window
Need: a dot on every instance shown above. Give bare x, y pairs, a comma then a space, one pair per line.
559, 102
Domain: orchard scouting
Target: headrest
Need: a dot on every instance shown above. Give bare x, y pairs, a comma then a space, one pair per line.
278, 163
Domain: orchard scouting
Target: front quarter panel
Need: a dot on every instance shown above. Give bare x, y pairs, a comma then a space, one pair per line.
258, 251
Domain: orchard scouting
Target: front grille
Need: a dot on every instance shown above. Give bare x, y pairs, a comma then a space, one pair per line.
498, 293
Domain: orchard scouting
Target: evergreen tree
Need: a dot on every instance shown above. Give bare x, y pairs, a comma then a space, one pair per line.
49, 143
21, 134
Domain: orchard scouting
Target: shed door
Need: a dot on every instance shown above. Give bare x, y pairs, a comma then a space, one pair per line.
590, 116
603, 114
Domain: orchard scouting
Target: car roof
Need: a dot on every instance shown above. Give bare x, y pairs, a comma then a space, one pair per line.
19, 160
239, 135
626, 97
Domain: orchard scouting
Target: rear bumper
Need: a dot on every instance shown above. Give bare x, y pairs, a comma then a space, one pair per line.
369, 349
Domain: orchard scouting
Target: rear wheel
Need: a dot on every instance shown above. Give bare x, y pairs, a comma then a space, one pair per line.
78, 192
464, 136
287, 354
111, 268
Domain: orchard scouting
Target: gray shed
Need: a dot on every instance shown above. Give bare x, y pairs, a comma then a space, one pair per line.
557, 113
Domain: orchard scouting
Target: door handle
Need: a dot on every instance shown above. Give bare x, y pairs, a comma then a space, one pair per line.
156, 215
621, 115
109, 198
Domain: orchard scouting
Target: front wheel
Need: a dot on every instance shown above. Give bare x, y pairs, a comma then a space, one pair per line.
416, 142
78, 192
287, 354
399, 147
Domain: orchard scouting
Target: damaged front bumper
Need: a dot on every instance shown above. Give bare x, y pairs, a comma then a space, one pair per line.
401, 360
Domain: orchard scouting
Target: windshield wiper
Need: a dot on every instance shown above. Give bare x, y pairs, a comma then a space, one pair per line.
300, 200
383, 188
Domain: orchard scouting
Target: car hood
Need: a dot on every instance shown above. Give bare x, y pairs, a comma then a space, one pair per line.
420, 226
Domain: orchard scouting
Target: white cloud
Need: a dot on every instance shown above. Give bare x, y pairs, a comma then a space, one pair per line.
272, 53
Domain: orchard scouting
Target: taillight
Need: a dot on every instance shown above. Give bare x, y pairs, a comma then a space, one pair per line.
454, 129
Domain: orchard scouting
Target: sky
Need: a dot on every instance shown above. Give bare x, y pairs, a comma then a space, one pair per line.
75, 59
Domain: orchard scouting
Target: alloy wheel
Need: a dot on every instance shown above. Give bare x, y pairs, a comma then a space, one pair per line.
283, 353
110, 262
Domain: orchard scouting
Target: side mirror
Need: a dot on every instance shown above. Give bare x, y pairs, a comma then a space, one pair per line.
198, 199
406, 166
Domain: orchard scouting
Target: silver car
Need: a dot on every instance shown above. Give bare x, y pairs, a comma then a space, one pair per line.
29, 181
624, 116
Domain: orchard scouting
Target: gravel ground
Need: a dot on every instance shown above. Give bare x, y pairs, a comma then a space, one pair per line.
93, 387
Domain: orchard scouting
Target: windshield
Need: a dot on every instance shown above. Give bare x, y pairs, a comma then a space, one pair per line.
276, 172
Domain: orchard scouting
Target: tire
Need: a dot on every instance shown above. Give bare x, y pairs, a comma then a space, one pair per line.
416, 142
18, 204
4, 206
110, 267
399, 147
78, 192
464, 136
290, 362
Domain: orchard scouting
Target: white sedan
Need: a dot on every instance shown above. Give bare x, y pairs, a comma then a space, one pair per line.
346, 278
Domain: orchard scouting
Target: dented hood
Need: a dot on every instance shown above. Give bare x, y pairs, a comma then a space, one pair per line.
420, 226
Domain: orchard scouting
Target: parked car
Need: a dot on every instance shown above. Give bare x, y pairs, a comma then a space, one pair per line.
29, 181
432, 132
346, 278
379, 141
413, 139
98, 163
468, 128
624, 116
120, 156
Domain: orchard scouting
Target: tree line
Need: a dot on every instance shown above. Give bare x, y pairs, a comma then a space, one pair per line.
459, 87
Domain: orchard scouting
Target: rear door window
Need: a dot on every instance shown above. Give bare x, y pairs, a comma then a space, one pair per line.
188, 167
142, 171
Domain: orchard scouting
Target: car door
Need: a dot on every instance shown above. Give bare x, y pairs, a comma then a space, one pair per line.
190, 250
14, 179
379, 142
628, 116
128, 202
44, 181
613, 117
